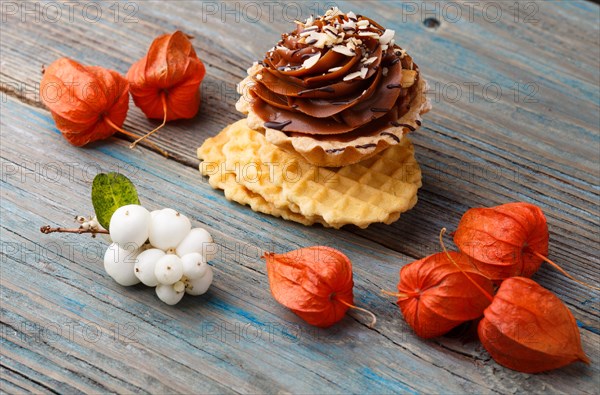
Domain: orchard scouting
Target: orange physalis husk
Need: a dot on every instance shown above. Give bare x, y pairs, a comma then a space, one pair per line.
529, 329
165, 83
88, 103
315, 283
435, 295
504, 241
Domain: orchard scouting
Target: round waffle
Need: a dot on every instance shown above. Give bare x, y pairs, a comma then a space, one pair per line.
378, 189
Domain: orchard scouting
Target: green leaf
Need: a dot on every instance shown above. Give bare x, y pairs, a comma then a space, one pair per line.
109, 192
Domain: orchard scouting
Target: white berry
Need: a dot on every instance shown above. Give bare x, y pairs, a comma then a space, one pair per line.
94, 224
145, 266
199, 285
198, 240
168, 294
168, 269
194, 265
130, 225
119, 264
168, 228
179, 286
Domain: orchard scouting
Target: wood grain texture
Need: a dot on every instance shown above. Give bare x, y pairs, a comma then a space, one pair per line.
60, 310
474, 152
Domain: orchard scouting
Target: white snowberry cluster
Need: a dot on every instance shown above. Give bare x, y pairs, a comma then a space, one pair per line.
175, 259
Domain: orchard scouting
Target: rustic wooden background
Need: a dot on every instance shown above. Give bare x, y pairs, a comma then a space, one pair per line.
527, 131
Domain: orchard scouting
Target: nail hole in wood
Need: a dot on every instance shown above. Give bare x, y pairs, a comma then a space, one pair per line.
431, 23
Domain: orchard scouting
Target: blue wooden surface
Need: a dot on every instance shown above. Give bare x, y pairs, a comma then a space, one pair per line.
67, 327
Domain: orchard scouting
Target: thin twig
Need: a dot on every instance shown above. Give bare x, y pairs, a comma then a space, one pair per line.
164, 122
48, 229
373, 317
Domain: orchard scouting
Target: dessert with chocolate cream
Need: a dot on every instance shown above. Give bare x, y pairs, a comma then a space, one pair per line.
337, 90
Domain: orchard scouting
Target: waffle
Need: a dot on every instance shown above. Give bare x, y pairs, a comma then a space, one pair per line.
376, 190
213, 159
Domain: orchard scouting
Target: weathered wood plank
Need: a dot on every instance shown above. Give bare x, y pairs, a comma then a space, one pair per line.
13, 382
475, 151
201, 345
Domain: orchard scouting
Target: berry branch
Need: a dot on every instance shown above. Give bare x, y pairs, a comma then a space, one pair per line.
48, 229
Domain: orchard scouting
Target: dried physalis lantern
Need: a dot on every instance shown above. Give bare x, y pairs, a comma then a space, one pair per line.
88, 103
165, 83
507, 240
527, 328
315, 283
435, 295
503, 240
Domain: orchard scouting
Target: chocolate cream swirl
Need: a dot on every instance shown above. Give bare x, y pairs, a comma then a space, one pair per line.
338, 77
